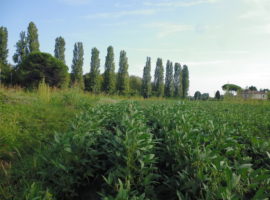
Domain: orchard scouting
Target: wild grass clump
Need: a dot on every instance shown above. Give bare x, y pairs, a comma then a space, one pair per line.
44, 91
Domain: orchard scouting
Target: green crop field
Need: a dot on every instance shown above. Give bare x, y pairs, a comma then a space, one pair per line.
67, 145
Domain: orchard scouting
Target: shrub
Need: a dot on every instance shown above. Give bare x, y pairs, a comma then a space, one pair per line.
38, 65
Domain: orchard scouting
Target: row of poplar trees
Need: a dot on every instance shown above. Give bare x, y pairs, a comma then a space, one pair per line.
176, 81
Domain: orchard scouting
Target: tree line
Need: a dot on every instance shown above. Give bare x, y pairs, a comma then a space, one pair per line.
32, 65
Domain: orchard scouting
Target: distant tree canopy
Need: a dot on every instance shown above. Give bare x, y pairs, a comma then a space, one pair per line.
77, 65
37, 66
252, 88
185, 81
3, 45
32, 38
4, 66
217, 95
231, 87
159, 78
169, 80
21, 49
178, 86
59, 49
197, 95
146, 80
94, 71
109, 82
122, 76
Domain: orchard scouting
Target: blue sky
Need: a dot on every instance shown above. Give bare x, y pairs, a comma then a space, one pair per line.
222, 41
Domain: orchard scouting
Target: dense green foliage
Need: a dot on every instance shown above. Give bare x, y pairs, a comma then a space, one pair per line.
109, 83
37, 66
59, 49
146, 80
133, 150
122, 76
169, 80
159, 78
32, 38
77, 64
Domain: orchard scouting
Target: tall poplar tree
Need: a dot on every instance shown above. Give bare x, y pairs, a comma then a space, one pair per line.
123, 77
185, 81
4, 67
178, 90
3, 45
77, 64
169, 82
109, 82
94, 71
159, 78
146, 80
32, 38
21, 49
59, 49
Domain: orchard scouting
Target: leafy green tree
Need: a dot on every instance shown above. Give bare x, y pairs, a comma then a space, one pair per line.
197, 95
37, 66
159, 78
32, 38
3, 45
77, 65
185, 81
59, 49
146, 80
135, 85
122, 76
169, 80
109, 74
94, 71
217, 95
178, 90
21, 49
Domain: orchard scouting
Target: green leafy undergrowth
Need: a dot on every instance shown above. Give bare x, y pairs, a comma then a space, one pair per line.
138, 151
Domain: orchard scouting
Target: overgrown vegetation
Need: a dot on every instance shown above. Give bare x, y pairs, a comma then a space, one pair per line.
70, 145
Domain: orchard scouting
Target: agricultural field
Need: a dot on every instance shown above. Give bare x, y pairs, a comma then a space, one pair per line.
68, 145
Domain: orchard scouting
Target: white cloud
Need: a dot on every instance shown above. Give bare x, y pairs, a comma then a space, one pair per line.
178, 3
120, 14
165, 29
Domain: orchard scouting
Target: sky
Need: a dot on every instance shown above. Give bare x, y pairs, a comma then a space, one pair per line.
221, 41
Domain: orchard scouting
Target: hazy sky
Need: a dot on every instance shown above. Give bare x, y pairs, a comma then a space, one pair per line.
221, 41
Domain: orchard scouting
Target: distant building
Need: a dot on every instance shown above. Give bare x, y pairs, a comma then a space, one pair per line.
248, 94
